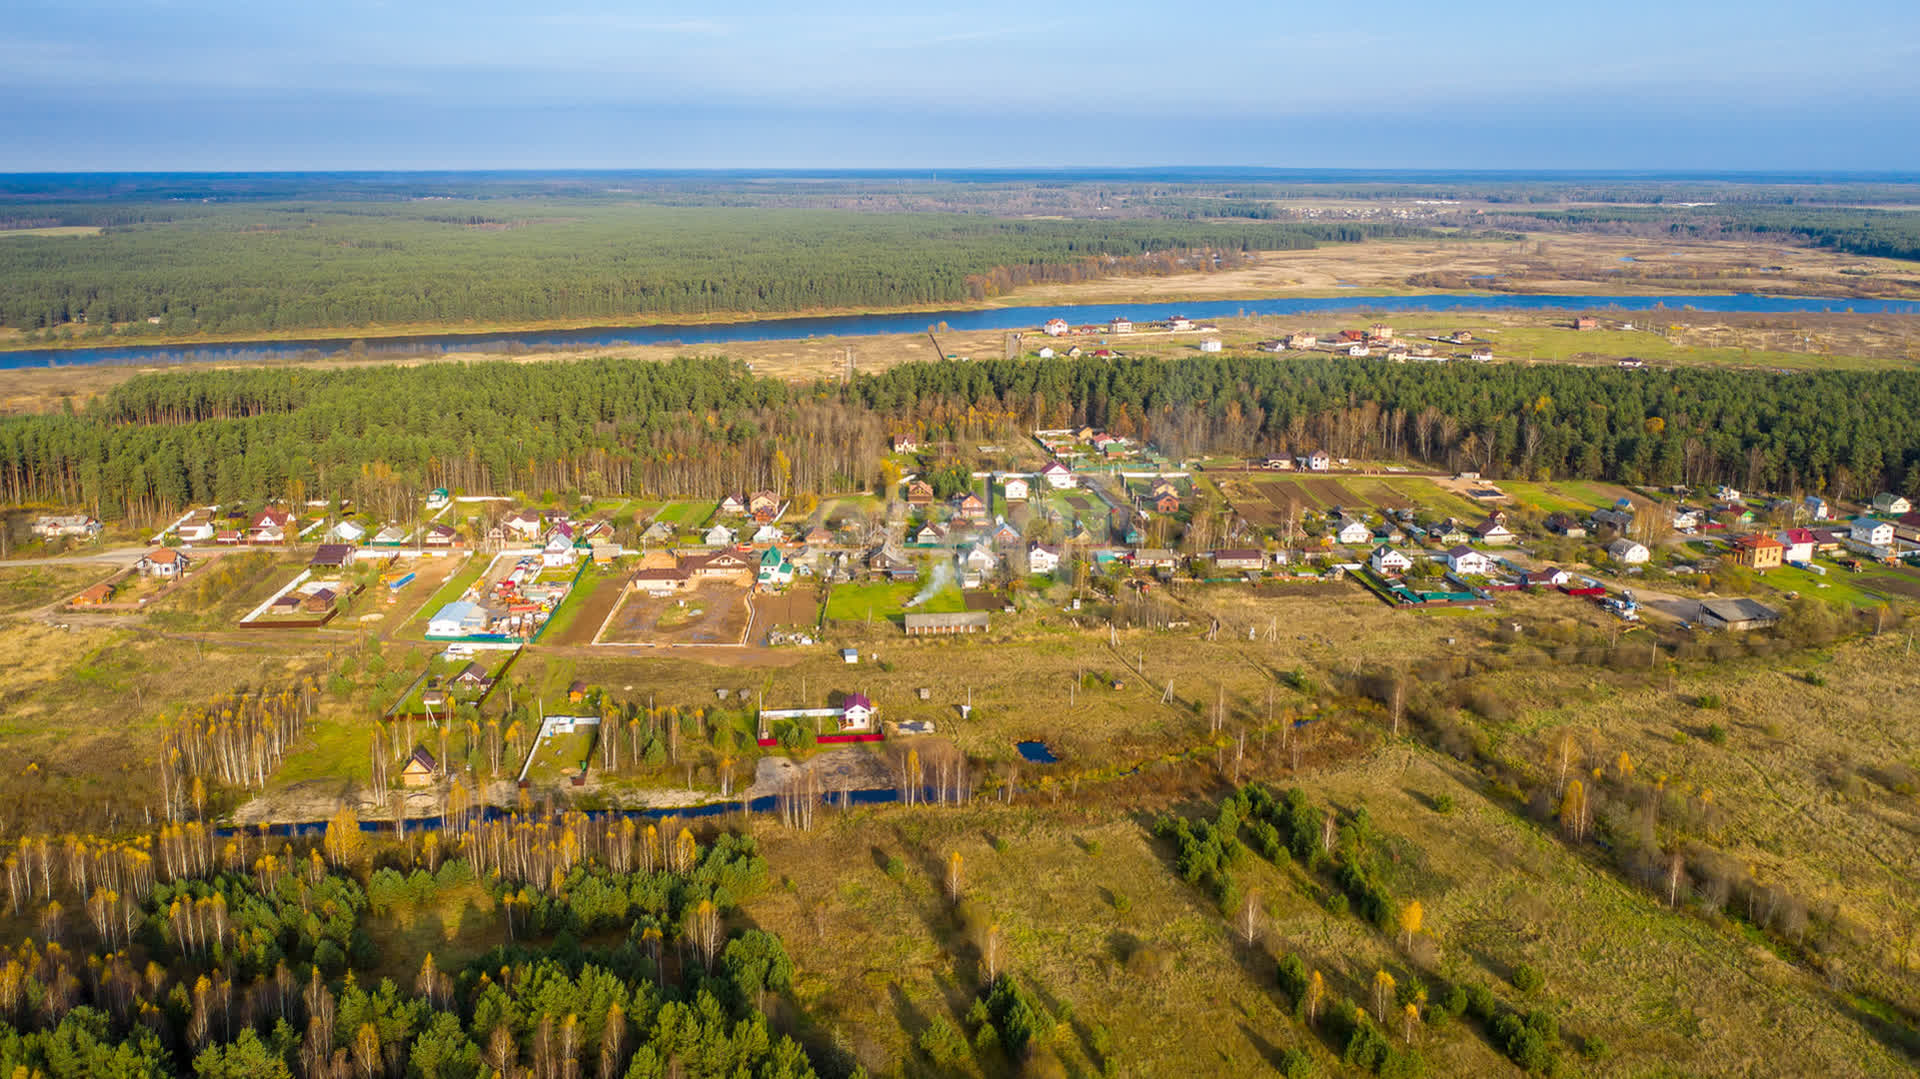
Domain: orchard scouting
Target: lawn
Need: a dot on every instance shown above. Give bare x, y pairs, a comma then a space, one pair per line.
1578, 497
1837, 587
887, 600
558, 757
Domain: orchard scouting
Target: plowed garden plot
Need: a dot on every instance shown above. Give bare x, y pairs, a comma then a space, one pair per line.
796, 608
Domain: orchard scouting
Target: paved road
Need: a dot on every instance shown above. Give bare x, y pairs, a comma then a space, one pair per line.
118, 556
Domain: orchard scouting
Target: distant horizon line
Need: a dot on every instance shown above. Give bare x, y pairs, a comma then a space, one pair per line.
1893, 175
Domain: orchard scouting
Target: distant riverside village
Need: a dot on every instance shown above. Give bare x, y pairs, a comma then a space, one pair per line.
1378, 341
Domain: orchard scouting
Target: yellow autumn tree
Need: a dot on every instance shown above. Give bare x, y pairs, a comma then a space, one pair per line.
1411, 917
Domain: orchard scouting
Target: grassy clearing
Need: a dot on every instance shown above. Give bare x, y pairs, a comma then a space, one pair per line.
27, 588
1091, 915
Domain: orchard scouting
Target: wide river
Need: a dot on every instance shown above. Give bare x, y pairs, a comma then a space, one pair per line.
999, 318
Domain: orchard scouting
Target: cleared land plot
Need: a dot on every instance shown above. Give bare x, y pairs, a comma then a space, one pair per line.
1265, 499
710, 613
587, 607
455, 585
796, 607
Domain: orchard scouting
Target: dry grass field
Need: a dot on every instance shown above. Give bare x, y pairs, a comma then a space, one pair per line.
1091, 915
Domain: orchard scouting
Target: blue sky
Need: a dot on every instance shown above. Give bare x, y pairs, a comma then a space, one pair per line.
274, 84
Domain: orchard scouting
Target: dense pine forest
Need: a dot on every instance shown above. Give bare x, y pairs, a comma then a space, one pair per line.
1880, 233
700, 428
258, 268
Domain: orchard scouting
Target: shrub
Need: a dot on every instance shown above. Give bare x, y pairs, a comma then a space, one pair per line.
1527, 978
1443, 803
1716, 734
943, 1044
1295, 1064
896, 868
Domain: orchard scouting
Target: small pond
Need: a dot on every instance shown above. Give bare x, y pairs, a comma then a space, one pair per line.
1037, 752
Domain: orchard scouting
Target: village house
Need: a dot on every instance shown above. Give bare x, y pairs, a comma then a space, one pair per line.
892, 563
1046, 352
1585, 322
1358, 349
1055, 327
524, 524
1461, 337
1388, 562
1211, 344
1799, 544
195, 529
905, 444
969, 508
1003, 534
660, 580
1757, 551
763, 505
269, 526
1628, 553
931, 534
1381, 331
1687, 519
975, 562
1889, 504
1179, 322
392, 536
1870, 531
1277, 464
439, 498
1042, 559
1566, 524
332, 556
1317, 461
1355, 531
1058, 476
1166, 502
1546, 577
1301, 342
1617, 519
719, 536
1481, 355
77, 526
1238, 559
419, 770
558, 551
439, 535
346, 532
727, 566
766, 534
733, 505
775, 570
1907, 527
1493, 530
1467, 562
1014, 488
1817, 508
1120, 324
919, 493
